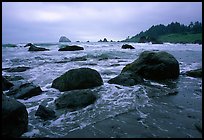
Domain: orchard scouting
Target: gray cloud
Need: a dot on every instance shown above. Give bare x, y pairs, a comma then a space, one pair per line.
46, 22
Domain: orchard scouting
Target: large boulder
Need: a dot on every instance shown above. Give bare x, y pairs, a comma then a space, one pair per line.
195, 73
45, 113
64, 39
154, 66
28, 45
71, 48
17, 69
75, 99
149, 65
34, 48
14, 117
80, 78
6, 84
126, 46
25, 91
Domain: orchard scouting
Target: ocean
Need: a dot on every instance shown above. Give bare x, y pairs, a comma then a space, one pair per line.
120, 111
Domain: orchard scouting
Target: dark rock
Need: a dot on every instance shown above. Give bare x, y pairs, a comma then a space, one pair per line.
71, 48
126, 46
154, 66
14, 117
18, 69
25, 91
28, 45
45, 113
105, 40
198, 42
149, 65
75, 99
34, 48
6, 84
147, 39
81, 78
83, 58
64, 39
126, 79
195, 73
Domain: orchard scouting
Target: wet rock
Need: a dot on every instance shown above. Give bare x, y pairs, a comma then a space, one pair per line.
75, 99
14, 117
17, 69
195, 73
126, 46
25, 91
64, 39
149, 65
28, 45
154, 66
34, 48
80, 78
6, 84
83, 58
126, 79
45, 113
71, 48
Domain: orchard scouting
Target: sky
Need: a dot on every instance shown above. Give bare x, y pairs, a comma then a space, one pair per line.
39, 22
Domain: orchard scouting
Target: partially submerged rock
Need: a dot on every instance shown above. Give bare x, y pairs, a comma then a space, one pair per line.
75, 99
71, 48
80, 78
195, 73
25, 91
17, 69
127, 46
34, 48
149, 65
14, 117
45, 113
6, 84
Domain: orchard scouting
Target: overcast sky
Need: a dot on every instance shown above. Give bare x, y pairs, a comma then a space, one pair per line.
46, 22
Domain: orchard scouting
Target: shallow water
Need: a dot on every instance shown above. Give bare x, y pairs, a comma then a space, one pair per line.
134, 110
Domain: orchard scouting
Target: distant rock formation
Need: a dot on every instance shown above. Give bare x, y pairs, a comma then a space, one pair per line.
104, 40
64, 39
147, 39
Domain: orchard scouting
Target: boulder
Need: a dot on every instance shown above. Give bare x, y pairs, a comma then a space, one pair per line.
154, 66
34, 48
45, 113
195, 73
80, 78
64, 39
6, 84
17, 69
126, 79
150, 65
75, 99
71, 48
25, 91
14, 118
126, 46
28, 45
105, 40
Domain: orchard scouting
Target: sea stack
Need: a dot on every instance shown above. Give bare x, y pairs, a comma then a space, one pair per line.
64, 39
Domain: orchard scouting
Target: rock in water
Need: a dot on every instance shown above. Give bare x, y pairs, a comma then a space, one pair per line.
17, 69
149, 65
71, 48
80, 78
14, 117
126, 46
45, 113
28, 45
34, 48
64, 39
195, 73
25, 91
6, 84
75, 99
154, 66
